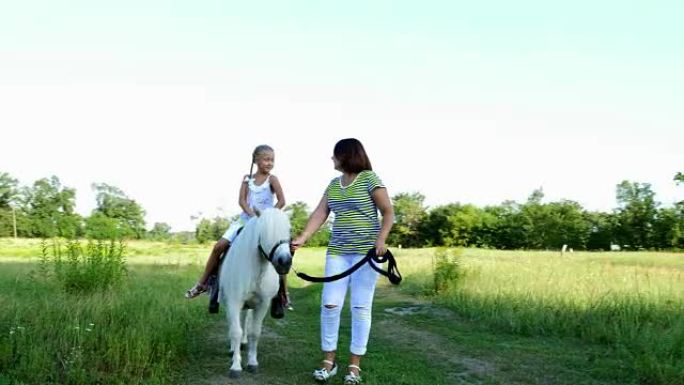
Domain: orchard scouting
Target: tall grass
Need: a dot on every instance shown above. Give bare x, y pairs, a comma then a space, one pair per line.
141, 331
138, 332
97, 266
625, 301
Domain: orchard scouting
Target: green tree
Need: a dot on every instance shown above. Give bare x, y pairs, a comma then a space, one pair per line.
486, 233
679, 177
322, 236
409, 213
299, 215
160, 231
100, 226
203, 232
219, 226
115, 204
436, 229
508, 227
8, 190
453, 224
50, 209
670, 223
552, 225
534, 215
669, 228
601, 229
636, 214
8, 195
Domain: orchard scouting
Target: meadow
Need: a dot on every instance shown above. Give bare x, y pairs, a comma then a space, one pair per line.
461, 316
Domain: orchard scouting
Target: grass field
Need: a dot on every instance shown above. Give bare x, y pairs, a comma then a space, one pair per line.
509, 317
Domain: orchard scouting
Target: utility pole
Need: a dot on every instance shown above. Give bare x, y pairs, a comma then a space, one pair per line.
14, 221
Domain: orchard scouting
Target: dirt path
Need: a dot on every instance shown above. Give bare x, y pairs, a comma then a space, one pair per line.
210, 365
412, 342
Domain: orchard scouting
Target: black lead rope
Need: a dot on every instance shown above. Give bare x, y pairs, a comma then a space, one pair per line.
392, 272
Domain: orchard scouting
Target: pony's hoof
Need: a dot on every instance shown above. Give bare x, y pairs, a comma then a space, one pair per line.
234, 374
252, 368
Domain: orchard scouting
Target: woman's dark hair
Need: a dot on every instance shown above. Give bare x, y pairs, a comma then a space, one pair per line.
352, 156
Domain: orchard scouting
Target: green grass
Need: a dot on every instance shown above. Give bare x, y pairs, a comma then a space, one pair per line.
135, 334
513, 317
630, 302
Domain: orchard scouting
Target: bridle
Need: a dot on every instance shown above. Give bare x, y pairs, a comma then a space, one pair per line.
269, 256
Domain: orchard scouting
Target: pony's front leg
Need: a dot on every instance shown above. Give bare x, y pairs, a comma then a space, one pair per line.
235, 339
246, 318
253, 335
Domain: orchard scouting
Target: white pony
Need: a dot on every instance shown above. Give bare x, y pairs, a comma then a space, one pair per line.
249, 280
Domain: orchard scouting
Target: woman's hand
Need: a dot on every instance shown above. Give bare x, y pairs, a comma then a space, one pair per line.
380, 247
298, 242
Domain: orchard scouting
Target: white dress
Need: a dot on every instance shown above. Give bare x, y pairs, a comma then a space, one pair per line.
259, 198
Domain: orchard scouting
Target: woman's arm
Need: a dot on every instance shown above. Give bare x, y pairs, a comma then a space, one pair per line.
382, 200
317, 218
278, 190
242, 201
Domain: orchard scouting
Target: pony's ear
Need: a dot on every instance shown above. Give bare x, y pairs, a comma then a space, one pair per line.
257, 212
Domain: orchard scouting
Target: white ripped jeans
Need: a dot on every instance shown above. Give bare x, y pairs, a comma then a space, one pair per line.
362, 283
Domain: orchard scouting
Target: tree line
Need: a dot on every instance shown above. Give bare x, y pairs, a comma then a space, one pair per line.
639, 222
46, 209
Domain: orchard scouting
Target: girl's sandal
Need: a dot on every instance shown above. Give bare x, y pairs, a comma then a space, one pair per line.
323, 374
352, 378
195, 291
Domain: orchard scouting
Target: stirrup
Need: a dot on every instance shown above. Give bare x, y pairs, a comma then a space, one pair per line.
323, 374
351, 378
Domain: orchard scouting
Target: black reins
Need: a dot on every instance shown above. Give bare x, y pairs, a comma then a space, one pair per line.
371, 258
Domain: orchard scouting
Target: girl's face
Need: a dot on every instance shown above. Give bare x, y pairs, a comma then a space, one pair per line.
265, 162
336, 163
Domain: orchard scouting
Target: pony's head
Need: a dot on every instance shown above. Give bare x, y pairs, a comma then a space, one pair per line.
274, 239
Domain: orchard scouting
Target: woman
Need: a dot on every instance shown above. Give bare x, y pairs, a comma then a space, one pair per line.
355, 197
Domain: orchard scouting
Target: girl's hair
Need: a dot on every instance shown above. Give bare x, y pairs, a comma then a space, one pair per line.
260, 149
352, 156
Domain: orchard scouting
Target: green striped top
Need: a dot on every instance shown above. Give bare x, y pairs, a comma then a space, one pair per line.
356, 225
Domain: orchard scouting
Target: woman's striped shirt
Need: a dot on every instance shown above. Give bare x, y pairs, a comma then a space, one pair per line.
356, 225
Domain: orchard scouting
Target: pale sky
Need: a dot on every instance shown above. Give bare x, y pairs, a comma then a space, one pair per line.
476, 103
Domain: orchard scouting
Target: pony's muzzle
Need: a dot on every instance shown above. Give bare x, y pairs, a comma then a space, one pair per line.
282, 260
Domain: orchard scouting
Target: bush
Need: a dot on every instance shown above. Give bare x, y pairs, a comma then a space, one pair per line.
447, 268
98, 266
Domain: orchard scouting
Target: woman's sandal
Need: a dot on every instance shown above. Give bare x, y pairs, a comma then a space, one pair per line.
352, 378
195, 291
323, 374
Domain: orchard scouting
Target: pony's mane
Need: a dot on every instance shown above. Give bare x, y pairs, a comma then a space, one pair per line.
274, 225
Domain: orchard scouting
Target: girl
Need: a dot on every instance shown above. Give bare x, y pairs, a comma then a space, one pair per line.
355, 198
256, 194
